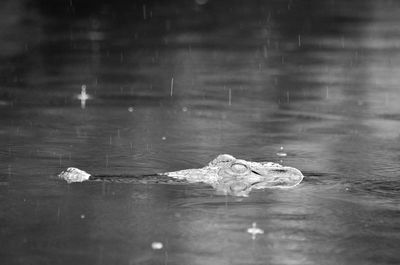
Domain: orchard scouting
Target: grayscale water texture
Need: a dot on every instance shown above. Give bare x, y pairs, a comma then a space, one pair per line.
172, 84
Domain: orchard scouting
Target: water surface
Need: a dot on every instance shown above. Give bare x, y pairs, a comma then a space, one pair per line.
173, 85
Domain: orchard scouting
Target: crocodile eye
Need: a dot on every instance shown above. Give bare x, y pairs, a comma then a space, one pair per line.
239, 168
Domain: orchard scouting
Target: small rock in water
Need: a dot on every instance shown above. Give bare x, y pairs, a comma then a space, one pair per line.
156, 245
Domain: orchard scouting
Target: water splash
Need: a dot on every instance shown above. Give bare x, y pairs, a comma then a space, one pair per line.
281, 153
254, 231
83, 96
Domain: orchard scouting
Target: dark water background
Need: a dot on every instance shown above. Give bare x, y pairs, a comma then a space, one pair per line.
318, 78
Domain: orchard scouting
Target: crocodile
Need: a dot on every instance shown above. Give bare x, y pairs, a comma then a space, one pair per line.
226, 174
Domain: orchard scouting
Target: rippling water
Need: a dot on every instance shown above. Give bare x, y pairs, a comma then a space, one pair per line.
172, 85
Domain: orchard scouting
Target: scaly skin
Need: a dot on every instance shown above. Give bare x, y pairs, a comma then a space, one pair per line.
226, 174
237, 177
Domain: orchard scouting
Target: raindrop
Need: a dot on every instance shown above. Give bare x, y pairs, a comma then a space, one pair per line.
230, 97
163, 138
83, 216
172, 86
58, 214
265, 52
144, 11
327, 92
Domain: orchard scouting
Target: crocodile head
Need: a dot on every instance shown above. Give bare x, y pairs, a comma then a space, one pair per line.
238, 177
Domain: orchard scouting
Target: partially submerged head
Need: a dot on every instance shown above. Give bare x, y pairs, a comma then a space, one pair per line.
238, 177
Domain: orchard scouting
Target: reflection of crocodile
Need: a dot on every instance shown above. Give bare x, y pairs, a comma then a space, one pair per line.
225, 173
